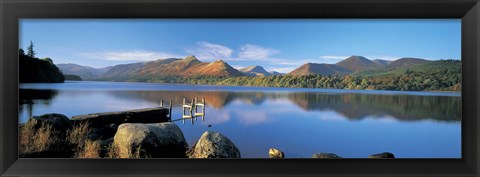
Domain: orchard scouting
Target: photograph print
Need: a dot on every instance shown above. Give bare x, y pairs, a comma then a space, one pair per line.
240, 88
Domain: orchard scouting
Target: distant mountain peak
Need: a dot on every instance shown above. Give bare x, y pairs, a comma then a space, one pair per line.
356, 57
406, 61
252, 68
255, 71
219, 61
85, 72
357, 63
382, 62
190, 57
276, 73
320, 69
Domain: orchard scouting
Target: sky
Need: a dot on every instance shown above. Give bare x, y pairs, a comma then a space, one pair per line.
276, 44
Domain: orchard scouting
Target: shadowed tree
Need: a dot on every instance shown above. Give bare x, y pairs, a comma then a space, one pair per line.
21, 52
30, 52
49, 60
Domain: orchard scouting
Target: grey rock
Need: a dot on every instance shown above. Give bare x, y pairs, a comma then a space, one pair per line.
385, 155
55, 145
59, 122
326, 156
215, 145
150, 140
276, 154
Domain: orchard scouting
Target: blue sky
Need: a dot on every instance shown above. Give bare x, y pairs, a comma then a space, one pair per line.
281, 44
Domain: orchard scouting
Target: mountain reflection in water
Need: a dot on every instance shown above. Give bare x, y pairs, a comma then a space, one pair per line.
353, 106
299, 122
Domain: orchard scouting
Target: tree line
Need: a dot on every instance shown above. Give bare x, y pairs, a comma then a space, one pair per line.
35, 70
432, 79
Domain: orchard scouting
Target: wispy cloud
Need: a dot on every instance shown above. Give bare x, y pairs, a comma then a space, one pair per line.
250, 51
136, 55
333, 57
383, 57
210, 51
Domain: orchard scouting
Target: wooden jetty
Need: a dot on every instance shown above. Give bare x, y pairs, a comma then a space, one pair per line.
147, 115
192, 108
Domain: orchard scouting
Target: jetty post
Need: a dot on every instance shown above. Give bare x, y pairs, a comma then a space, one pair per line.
191, 106
193, 109
170, 111
202, 104
203, 109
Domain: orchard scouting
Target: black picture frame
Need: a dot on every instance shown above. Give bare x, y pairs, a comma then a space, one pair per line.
12, 10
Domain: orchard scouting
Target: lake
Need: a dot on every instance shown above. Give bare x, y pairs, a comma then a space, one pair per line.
300, 122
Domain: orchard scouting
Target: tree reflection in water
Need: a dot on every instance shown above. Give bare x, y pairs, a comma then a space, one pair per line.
354, 106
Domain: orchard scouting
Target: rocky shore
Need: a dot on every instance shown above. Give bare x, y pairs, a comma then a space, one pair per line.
145, 133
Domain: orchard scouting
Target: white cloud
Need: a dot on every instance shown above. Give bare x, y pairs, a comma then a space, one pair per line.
250, 51
136, 55
296, 62
210, 51
383, 57
333, 57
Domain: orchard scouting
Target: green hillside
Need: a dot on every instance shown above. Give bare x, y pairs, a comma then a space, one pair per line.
433, 75
430, 67
442, 75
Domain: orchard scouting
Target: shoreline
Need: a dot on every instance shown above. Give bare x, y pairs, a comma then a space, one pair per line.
262, 89
56, 136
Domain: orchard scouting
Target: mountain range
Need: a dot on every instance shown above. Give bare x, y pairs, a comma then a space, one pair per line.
258, 71
355, 64
85, 72
191, 66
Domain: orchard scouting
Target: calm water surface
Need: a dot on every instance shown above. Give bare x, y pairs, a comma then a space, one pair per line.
300, 122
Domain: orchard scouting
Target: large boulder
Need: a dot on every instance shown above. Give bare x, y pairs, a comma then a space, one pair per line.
326, 156
150, 140
276, 154
215, 145
45, 136
58, 122
385, 155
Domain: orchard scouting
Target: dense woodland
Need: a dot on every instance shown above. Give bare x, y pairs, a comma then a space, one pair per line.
35, 70
444, 79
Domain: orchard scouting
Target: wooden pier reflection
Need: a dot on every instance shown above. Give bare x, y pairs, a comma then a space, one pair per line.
190, 110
